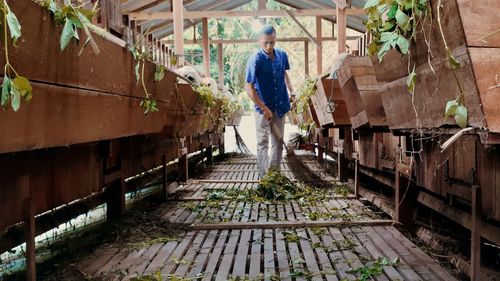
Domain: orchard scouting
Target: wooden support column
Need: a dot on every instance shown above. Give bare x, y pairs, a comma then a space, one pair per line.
319, 50
405, 195
115, 195
342, 166
209, 151
321, 149
356, 174
183, 168
261, 6
178, 17
475, 235
164, 175
341, 30
206, 47
222, 150
306, 58
220, 64
29, 230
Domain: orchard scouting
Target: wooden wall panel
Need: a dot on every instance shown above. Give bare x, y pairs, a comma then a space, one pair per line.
479, 18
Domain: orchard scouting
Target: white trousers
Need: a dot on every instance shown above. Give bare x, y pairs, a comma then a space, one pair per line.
263, 130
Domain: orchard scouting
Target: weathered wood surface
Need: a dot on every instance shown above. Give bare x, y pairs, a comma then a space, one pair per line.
433, 90
319, 253
329, 90
61, 175
79, 99
360, 91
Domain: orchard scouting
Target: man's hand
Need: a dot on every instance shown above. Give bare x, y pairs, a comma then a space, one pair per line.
268, 114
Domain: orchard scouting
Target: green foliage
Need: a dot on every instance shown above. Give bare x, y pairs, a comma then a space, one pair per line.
218, 107
306, 90
374, 269
393, 24
73, 18
143, 53
455, 108
14, 86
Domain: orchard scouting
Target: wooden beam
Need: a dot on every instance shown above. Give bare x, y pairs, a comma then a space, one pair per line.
254, 41
306, 58
238, 14
340, 3
220, 64
30, 233
309, 35
206, 47
178, 17
341, 30
475, 257
488, 231
290, 224
319, 50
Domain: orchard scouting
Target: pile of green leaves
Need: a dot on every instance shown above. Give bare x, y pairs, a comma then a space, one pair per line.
374, 268
14, 86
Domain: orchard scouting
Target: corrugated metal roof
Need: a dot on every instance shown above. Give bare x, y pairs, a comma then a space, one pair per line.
162, 28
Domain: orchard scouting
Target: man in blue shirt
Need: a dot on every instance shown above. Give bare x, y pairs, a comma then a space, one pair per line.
267, 83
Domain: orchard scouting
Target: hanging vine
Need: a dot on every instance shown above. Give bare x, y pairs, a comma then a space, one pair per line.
393, 25
14, 86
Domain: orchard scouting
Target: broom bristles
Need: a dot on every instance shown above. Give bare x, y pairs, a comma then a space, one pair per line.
242, 147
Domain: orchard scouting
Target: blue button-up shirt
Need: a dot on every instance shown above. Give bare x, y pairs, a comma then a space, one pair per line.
268, 77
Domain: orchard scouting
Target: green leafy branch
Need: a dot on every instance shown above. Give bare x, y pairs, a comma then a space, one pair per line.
74, 17
14, 86
455, 108
216, 102
143, 53
373, 269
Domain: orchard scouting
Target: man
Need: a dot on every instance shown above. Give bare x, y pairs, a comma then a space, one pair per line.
267, 83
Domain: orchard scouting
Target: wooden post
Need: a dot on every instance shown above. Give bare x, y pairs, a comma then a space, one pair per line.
261, 6
319, 50
115, 196
404, 195
356, 174
29, 230
341, 30
220, 64
475, 235
209, 155
206, 47
222, 150
321, 149
306, 58
178, 12
164, 174
342, 166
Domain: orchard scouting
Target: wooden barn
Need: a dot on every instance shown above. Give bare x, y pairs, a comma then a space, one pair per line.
127, 140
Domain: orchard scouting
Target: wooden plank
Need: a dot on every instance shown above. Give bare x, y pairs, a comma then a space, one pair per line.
178, 19
255, 253
289, 224
240, 258
282, 257
485, 63
479, 20
475, 247
341, 29
269, 269
309, 256
306, 58
215, 255
204, 252
206, 47
188, 258
161, 257
233, 14
319, 50
30, 230
220, 64
169, 265
227, 257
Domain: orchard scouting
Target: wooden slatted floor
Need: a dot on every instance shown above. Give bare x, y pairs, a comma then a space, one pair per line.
351, 236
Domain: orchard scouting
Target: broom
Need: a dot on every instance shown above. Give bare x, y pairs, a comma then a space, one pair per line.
299, 169
242, 147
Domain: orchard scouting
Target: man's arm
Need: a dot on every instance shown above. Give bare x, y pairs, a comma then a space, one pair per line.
268, 114
289, 84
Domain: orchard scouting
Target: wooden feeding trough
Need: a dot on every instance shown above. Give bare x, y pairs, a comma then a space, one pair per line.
329, 103
476, 76
360, 92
